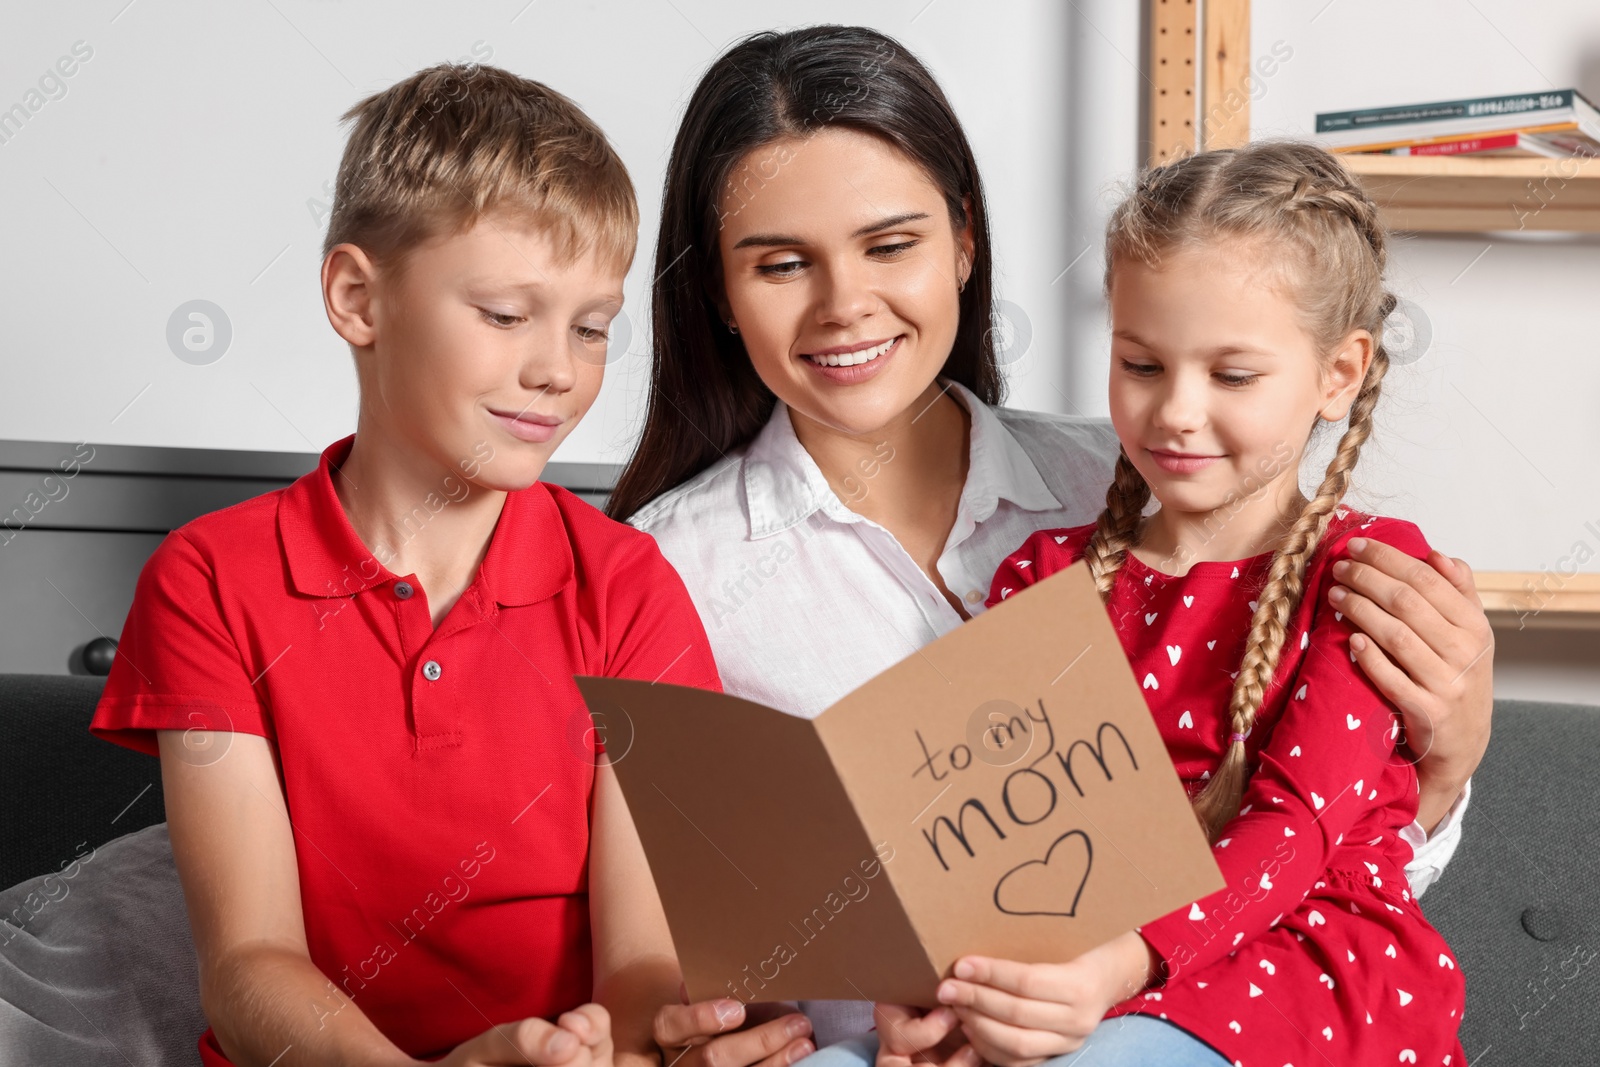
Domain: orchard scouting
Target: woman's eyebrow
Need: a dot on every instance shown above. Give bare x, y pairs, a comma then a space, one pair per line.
769, 240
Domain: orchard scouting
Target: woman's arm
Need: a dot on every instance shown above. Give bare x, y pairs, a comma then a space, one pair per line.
267, 1002
1431, 654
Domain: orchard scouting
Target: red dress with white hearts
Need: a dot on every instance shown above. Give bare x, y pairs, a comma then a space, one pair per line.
1315, 952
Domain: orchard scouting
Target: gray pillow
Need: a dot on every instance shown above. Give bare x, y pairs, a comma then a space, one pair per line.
97, 965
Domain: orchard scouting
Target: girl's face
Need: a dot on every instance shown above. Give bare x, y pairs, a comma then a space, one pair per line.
841, 270
1215, 382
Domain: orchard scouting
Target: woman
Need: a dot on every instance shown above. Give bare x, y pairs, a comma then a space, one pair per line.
825, 463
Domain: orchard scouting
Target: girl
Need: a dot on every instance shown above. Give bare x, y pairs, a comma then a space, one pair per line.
824, 460
1247, 306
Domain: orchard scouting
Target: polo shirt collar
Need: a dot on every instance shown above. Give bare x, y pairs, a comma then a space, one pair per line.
529, 557
784, 486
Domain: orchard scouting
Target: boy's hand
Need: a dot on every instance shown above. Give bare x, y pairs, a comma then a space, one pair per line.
1021, 1014
580, 1038
908, 1037
722, 1033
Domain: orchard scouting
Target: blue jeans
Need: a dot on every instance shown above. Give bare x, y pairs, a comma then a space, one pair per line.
1126, 1041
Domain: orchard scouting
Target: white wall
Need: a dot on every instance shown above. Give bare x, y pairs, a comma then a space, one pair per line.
189, 155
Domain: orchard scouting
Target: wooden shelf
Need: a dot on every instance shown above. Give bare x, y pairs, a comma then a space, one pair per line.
1526, 600
1477, 195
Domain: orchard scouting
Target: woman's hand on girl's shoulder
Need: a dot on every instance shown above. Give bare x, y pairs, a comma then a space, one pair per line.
1426, 644
579, 1038
1021, 1014
726, 1033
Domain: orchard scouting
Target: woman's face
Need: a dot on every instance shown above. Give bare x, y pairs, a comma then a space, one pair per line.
841, 269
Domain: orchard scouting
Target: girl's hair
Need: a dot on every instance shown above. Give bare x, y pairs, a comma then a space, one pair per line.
1328, 247
705, 397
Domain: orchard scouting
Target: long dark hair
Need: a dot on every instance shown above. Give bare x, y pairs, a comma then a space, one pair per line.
705, 396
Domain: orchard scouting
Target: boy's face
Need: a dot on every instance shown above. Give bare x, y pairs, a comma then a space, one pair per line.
486, 339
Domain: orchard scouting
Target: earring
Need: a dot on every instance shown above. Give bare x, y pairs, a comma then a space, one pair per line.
733, 327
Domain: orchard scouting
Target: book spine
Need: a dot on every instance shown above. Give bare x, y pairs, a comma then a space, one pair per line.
1415, 142
1464, 146
1485, 107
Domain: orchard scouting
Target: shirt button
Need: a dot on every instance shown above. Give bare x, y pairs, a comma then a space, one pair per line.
403, 590
431, 670
975, 597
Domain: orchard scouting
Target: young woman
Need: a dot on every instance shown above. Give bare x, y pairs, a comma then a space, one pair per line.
825, 462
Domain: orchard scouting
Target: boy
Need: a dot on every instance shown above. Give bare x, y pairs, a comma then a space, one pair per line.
388, 809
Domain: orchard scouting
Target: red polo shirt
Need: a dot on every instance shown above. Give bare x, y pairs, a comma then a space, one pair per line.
439, 781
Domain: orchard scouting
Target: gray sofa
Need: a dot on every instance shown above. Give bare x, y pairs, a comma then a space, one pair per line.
1518, 904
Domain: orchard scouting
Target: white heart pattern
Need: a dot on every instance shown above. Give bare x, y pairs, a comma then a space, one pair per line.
1253, 604
1446, 961
1288, 832
1151, 617
1173, 652
1390, 952
1325, 979
1317, 801
1235, 573
1316, 919
1405, 998
1150, 682
1266, 965
1351, 721
1186, 721
1211, 644
1407, 1056
1295, 751
1061, 538
1327, 1032
1188, 601
1224, 842
1255, 990
1005, 591
1024, 564
1305, 639
1195, 913
1300, 694
1266, 883
1351, 955
1235, 1027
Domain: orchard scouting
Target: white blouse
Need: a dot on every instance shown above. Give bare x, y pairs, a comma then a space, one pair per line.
804, 600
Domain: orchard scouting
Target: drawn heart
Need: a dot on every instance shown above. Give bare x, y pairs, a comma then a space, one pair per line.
1390, 952
1338, 616
1266, 884
1326, 979
1253, 604
1407, 1056
1235, 573
1287, 832
1195, 913
1024, 564
1372, 795
1327, 1032
1295, 751
1188, 601
1186, 721
1150, 682
1359, 783
1235, 1027
1151, 617
1224, 842
1305, 639
1301, 693
1350, 954
1173, 652
1316, 800
1005, 592
1266, 965
1037, 888
1446, 961
1316, 919
1351, 721
1061, 538
1372, 868
1255, 990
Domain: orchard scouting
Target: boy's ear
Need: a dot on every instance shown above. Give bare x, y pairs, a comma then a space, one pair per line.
1346, 371
348, 277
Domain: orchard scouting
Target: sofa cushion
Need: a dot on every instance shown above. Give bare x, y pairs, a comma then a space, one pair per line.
1518, 902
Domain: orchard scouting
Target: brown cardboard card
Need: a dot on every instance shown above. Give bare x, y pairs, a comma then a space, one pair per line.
1002, 791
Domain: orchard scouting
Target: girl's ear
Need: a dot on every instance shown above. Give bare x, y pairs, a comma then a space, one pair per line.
1345, 372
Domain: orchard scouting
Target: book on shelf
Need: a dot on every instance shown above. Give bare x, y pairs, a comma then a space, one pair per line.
1515, 144
1561, 123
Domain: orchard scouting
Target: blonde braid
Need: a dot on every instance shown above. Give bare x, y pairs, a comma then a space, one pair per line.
1280, 597
1117, 529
